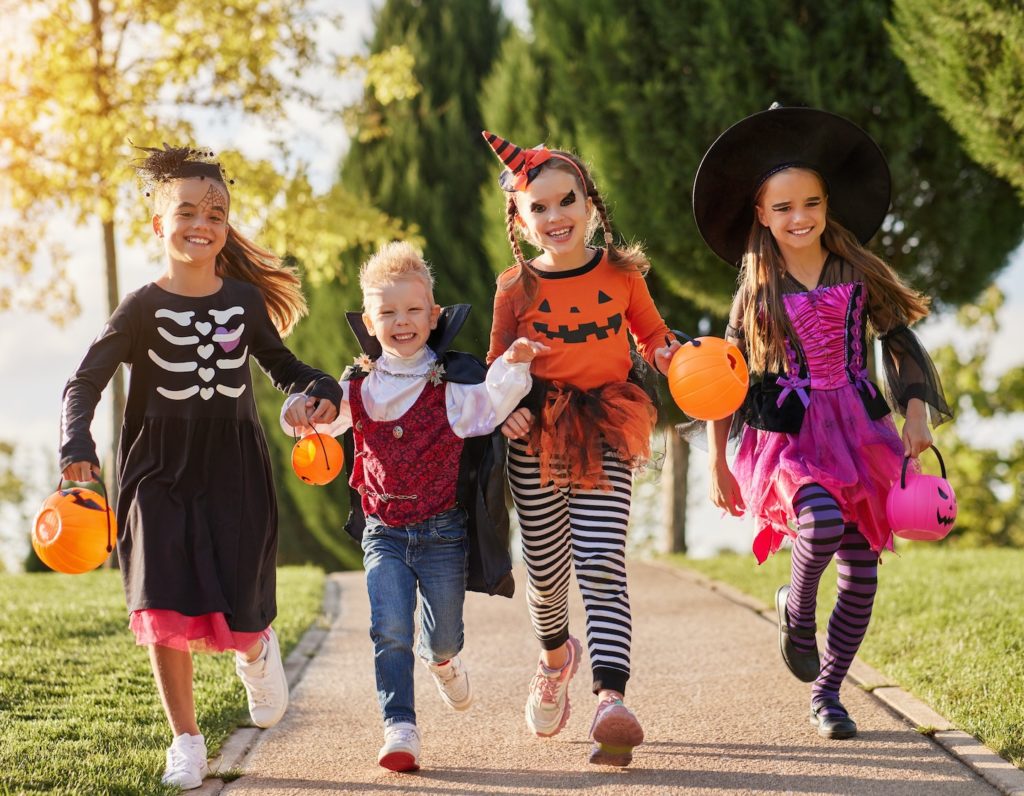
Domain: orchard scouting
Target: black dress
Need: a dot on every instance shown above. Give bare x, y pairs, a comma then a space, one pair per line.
197, 516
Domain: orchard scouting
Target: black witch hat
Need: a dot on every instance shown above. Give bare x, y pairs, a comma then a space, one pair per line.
744, 156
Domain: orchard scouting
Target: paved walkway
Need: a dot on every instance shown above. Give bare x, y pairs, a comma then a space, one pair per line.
721, 713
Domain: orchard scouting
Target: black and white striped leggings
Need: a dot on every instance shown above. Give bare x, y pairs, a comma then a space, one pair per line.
590, 526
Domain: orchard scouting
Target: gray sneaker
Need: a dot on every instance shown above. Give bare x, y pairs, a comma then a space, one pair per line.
547, 707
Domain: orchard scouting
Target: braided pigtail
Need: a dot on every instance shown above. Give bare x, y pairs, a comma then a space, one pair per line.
525, 279
629, 258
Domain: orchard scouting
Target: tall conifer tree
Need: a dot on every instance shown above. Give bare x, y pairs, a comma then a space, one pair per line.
428, 165
967, 56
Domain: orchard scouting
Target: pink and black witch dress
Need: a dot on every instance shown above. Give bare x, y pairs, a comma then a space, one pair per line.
823, 420
197, 515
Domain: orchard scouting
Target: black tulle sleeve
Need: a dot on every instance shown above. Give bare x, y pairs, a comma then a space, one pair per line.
909, 373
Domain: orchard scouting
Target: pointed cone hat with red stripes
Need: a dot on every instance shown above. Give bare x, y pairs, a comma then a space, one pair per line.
521, 165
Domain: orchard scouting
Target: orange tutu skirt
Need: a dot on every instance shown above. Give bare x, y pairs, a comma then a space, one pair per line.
577, 426
206, 633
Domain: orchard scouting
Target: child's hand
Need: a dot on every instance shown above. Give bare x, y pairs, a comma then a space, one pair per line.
82, 472
517, 425
724, 491
323, 410
663, 356
297, 414
523, 350
916, 436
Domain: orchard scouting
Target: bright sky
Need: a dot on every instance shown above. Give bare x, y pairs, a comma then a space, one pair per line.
38, 357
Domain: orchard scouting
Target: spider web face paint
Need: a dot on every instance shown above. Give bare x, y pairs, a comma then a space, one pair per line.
214, 197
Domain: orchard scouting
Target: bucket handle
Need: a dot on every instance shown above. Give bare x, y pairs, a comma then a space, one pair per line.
903, 475
103, 488
684, 336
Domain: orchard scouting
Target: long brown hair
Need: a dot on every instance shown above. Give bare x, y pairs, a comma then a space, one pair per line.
279, 283
765, 322
628, 258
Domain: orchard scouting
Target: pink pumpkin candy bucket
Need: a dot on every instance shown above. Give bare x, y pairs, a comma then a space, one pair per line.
922, 507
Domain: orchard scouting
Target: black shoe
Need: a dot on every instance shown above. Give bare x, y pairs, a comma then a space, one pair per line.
830, 725
805, 666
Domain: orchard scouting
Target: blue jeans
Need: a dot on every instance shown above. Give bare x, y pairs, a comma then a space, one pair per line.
430, 555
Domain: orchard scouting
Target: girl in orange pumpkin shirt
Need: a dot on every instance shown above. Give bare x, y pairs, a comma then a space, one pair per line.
572, 451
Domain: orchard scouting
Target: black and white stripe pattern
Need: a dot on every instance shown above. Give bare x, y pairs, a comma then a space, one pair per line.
588, 528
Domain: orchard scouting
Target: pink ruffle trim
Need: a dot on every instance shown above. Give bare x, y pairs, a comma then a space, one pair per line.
206, 633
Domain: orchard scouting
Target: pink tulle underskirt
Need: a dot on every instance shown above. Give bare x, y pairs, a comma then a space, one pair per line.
206, 633
855, 458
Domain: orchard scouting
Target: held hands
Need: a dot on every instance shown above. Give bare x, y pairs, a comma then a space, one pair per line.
663, 356
303, 415
524, 350
916, 435
82, 472
517, 425
724, 491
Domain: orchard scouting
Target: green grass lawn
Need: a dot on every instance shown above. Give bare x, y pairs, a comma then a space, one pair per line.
79, 711
948, 626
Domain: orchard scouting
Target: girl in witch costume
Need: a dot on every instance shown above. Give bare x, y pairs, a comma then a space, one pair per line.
588, 425
197, 516
418, 422
792, 195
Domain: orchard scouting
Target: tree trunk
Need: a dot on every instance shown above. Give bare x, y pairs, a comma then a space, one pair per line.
117, 383
674, 493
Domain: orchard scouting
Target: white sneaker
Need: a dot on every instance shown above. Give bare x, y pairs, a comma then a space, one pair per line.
401, 749
452, 682
186, 762
265, 684
547, 706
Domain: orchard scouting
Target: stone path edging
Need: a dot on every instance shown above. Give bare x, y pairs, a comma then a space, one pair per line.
994, 769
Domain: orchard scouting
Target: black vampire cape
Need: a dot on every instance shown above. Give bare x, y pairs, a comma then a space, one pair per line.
481, 484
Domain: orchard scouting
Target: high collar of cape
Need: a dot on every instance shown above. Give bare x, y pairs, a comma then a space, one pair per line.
460, 367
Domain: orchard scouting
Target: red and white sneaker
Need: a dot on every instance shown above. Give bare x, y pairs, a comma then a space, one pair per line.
452, 682
401, 749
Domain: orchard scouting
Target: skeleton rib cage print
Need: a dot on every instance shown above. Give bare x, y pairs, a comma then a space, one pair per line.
208, 338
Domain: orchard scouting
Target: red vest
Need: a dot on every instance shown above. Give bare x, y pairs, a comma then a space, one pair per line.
405, 470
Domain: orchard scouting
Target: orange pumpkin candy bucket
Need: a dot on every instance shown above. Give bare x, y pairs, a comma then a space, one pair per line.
317, 458
74, 530
708, 377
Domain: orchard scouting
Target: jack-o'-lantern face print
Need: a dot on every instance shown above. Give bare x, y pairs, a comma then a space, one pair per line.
945, 512
582, 319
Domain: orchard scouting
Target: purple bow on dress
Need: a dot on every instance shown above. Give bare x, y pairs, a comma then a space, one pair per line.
863, 381
794, 383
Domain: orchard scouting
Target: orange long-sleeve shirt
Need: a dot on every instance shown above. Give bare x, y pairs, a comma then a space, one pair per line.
583, 315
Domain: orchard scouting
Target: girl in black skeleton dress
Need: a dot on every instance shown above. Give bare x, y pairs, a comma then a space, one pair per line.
197, 516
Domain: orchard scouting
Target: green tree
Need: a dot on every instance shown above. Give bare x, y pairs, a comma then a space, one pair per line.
967, 56
989, 482
428, 163
83, 77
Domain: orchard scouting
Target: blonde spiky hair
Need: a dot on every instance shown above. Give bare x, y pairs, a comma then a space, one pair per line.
392, 262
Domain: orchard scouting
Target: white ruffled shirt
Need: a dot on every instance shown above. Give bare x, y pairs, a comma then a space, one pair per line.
473, 409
